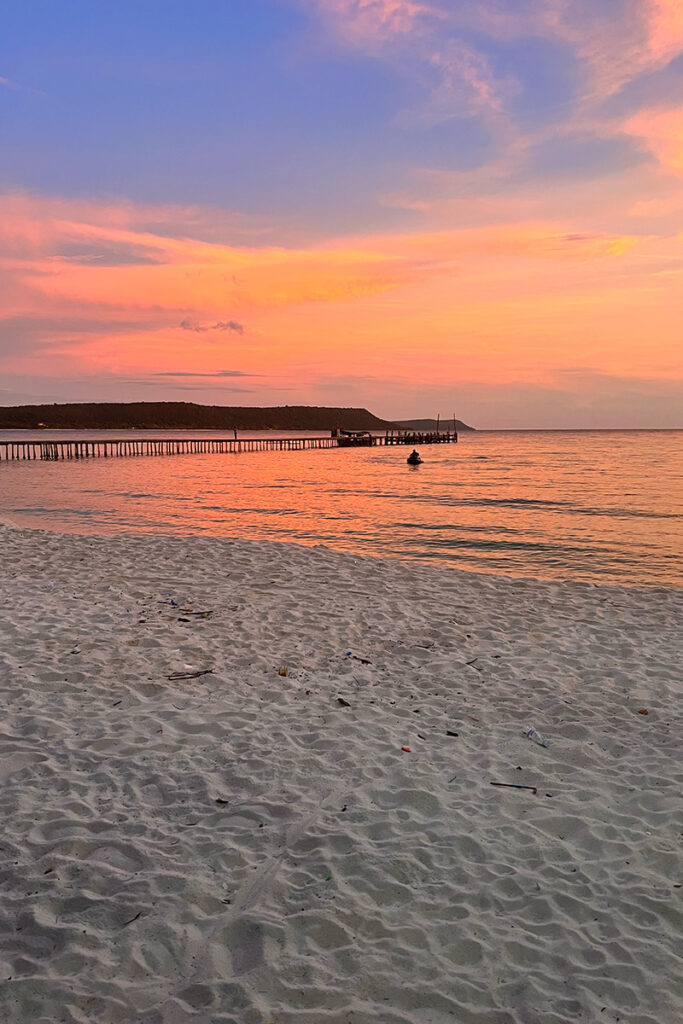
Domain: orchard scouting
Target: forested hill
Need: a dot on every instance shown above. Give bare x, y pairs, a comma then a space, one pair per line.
184, 416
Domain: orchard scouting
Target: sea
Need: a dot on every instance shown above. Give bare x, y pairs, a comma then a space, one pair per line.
596, 506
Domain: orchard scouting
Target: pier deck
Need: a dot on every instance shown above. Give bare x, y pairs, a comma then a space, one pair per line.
49, 449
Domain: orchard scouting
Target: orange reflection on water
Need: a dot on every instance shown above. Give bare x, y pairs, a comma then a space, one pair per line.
598, 506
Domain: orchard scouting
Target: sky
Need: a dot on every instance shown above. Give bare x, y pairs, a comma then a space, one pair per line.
418, 206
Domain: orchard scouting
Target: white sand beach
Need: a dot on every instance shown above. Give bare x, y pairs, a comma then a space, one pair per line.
241, 847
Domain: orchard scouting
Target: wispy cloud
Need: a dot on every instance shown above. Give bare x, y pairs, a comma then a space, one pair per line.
217, 373
455, 78
368, 21
8, 83
221, 325
447, 49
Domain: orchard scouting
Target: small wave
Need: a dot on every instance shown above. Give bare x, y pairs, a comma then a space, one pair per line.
492, 544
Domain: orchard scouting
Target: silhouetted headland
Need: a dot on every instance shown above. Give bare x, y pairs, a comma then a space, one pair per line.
184, 416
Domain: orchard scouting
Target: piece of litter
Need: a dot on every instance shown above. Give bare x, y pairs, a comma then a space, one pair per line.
643, 711
282, 671
515, 785
407, 750
344, 703
449, 732
532, 734
363, 661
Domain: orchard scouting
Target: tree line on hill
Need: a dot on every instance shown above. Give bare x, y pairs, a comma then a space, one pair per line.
189, 416
183, 416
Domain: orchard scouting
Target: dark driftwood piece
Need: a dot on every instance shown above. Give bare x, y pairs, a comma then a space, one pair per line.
190, 675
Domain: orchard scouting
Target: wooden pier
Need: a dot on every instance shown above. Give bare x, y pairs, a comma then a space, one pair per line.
52, 450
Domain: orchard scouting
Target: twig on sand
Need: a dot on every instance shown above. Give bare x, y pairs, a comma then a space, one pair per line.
132, 919
190, 675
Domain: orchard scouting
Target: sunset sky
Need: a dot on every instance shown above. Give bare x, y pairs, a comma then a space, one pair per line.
417, 206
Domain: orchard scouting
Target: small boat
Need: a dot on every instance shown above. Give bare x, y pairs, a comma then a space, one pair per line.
414, 459
353, 438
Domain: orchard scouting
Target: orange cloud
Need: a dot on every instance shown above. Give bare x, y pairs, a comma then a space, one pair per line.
64, 256
665, 30
662, 131
88, 287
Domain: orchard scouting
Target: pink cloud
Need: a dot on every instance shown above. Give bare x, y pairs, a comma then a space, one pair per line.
366, 20
614, 44
457, 78
662, 132
502, 301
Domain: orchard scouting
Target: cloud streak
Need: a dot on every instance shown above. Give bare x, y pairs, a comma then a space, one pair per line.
455, 78
221, 325
7, 83
446, 48
216, 374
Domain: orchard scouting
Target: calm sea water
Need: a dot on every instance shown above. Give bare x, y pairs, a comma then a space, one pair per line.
600, 506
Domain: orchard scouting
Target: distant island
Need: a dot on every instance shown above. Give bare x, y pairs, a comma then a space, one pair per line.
428, 426
183, 416
189, 416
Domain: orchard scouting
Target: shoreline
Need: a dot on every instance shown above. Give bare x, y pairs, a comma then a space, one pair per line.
242, 846
10, 523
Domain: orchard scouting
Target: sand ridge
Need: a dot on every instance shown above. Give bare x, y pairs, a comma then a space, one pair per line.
243, 847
